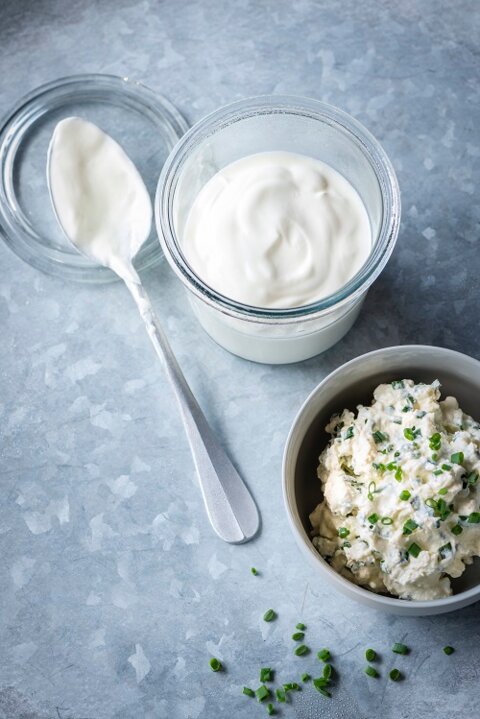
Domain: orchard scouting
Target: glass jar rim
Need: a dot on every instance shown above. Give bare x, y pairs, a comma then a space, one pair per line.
270, 105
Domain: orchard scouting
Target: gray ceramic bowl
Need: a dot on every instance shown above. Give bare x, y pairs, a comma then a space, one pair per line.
353, 383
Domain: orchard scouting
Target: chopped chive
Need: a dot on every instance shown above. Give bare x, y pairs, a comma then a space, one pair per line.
327, 671
300, 626
298, 636
266, 674
372, 487
396, 454
373, 518
343, 532
379, 437
215, 665
291, 686
301, 650
445, 550
457, 458
380, 467
321, 682
398, 474
471, 479
443, 490
254, 571
319, 685
249, 692
397, 384
399, 648
409, 526
371, 671
306, 677
434, 457
395, 675
435, 441
281, 696
448, 650
431, 502
414, 550
262, 693
348, 470
411, 433
349, 433
391, 466
446, 467
370, 655
323, 655
474, 518
386, 520
270, 710
438, 472
269, 615
456, 529
405, 495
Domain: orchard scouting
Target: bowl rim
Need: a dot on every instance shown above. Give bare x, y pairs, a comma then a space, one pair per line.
361, 594
295, 105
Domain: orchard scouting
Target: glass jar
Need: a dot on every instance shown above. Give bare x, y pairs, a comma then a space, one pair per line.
292, 124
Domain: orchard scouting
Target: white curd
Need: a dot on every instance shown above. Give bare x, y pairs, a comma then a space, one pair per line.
277, 230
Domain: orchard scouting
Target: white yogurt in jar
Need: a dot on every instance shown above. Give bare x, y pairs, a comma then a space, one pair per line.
277, 230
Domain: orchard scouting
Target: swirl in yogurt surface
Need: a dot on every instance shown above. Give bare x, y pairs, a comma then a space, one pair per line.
277, 230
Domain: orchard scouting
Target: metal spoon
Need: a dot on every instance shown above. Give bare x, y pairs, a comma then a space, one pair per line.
229, 505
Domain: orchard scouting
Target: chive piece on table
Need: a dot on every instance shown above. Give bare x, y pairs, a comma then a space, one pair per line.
281, 696
298, 636
399, 648
371, 671
323, 655
249, 692
269, 615
254, 571
370, 655
215, 665
306, 677
327, 671
395, 675
448, 650
319, 685
266, 674
262, 693
301, 650
270, 710
300, 626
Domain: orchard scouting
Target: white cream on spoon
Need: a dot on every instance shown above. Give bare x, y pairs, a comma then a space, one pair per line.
104, 209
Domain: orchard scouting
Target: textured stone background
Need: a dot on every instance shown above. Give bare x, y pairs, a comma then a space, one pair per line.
114, 592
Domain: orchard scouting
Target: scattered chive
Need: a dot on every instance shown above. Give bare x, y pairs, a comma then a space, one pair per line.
270, 710
443, 490
445, 550
300, 626
431, 502
456, 529
319, 685
434, 456
438, 472
398, 474
391, 466
414, 550
397, 384
343, 532
379, 437
249, 692
298, 636
327, 671
405, 495
215, 665
269, 615
291, 686
254, 571
349, 433
386, 520
399, 648
262, 693
474, 518
395, 675
471, 479
411, 433
323, 655
306, 677
446, 467
281, 696
396, 454
373, 518
371, 671
435, 441
448, 650
301, 650
371, 489
457, 458
409, 526
370, 655
266, 674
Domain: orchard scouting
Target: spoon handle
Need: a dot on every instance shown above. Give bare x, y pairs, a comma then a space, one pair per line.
230, 507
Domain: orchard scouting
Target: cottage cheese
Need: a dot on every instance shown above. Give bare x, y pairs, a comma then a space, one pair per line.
401, 492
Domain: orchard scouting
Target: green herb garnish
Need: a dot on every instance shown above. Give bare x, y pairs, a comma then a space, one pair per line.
397, 384
266, 674
298, 636
409, 526
405, 495
319, 685
474, 518
269, 615
471, 479
215, 665
300, 626
386, 520
414, 550
371, 671
443, 490
411, 433
249, 692
370, 655
323, 655
395, 675
448, 650
446, 467
373, 518
379, 437
398, 474
254, 571
457, 458
349, 433
262, 693
301, 650
435, 441
445, 550
456, 529
306, 677
372, 487
281, 696
327, 671
399, 648
343, 532
270, 710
